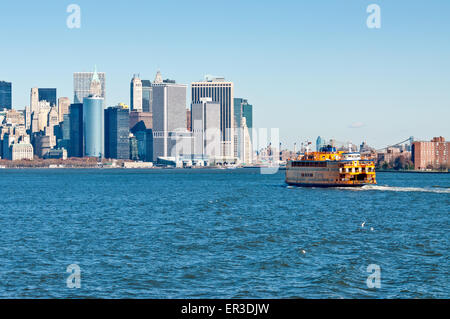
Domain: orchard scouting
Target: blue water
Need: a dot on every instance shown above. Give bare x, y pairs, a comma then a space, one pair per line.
220, 234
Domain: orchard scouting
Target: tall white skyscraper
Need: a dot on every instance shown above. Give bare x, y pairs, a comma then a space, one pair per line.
82, 85
222, 92
206, 128
246, 143
34, 100
136, 94
169, 119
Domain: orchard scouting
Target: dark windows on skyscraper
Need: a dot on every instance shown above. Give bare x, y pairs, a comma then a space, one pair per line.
5, 95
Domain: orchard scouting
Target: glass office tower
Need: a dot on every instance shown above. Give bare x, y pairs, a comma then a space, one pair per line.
117, 132
5, 95
93, 123
76, 145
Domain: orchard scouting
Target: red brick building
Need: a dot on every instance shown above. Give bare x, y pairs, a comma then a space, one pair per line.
431, 155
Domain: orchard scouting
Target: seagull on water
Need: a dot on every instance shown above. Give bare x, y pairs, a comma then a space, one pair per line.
362, 225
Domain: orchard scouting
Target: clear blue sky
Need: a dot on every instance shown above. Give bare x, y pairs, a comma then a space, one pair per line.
309, 67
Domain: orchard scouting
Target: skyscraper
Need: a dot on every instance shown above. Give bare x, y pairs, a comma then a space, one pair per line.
242, 110
34, 100
76, 148
247, 113
64, 142
93, 124
319, 143
34, 110
5, 95
82, 84
246, 150
47, 94
63, 107
222, 92
42, 116
169, 109
117, 131
147, 96
206, 128
136, 94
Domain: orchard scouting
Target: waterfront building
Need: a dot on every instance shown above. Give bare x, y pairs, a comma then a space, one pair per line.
5, 95
222, 92
136, 94
76, 147
392, 155
432, 154
117, 131
56, 154
82, 85
147, 96
206, 129
63, 107
93, 126
47, 94
169, 118
22, 151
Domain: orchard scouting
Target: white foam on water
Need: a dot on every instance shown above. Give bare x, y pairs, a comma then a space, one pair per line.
404, 189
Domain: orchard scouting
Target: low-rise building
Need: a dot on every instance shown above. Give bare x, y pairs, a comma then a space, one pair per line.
22, 151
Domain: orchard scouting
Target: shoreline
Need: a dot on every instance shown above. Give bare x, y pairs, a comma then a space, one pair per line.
106, 167
411, 171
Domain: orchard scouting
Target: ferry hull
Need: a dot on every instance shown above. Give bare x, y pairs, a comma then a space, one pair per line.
326, 185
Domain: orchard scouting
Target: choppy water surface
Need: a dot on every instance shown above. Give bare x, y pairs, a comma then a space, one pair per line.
220, 234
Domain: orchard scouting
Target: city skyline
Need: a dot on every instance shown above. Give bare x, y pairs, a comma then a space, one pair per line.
320, 62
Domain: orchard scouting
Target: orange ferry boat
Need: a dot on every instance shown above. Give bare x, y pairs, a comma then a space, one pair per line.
330, 168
